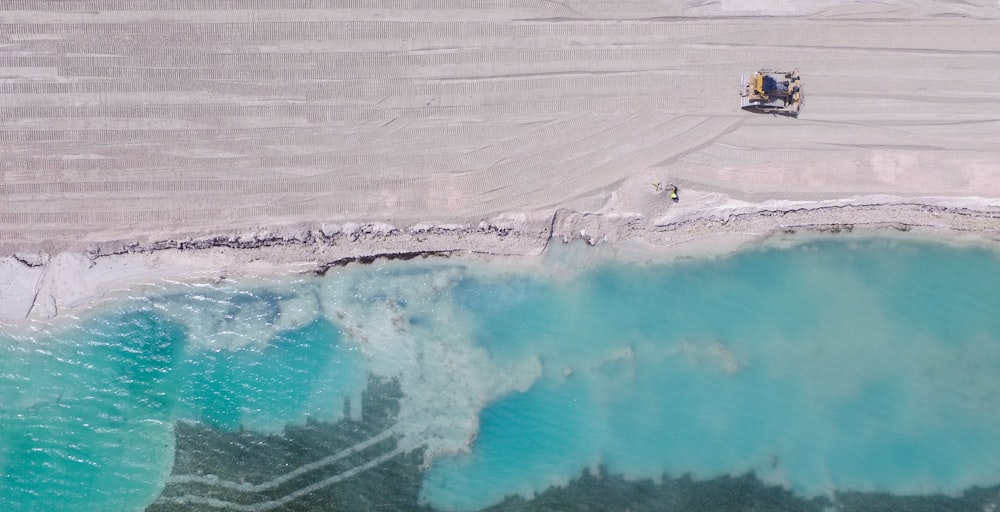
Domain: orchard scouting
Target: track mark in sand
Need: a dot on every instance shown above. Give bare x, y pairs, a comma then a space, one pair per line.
502, 151
618, 152
543, 170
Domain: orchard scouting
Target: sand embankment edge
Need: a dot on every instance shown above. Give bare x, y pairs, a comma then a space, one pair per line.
39, 286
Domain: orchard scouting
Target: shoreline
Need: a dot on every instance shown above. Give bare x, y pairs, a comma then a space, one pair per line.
40, 286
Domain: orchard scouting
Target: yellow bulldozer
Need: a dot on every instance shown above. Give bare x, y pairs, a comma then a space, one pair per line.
774, 92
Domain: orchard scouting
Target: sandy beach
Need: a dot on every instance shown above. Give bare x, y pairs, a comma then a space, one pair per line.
150, 142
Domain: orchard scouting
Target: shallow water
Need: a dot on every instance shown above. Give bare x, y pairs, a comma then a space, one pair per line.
838, 365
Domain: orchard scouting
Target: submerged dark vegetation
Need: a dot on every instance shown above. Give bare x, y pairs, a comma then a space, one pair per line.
245, 458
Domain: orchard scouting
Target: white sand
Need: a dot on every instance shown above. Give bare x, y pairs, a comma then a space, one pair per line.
142, 146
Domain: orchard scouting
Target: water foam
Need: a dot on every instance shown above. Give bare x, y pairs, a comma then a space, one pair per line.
230, 316
408, 324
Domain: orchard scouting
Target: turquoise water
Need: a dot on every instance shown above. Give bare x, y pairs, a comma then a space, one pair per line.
836, 365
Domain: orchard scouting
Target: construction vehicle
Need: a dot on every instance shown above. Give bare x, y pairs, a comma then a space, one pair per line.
775, 92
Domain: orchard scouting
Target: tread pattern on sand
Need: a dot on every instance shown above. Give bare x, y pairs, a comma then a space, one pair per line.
123, 116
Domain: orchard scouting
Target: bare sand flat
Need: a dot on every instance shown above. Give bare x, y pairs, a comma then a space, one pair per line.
294, 133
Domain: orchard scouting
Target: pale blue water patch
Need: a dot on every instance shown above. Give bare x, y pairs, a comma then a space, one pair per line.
302, 373
88, 410
865, 365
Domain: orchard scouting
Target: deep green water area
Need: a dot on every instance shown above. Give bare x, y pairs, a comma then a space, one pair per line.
844, 373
